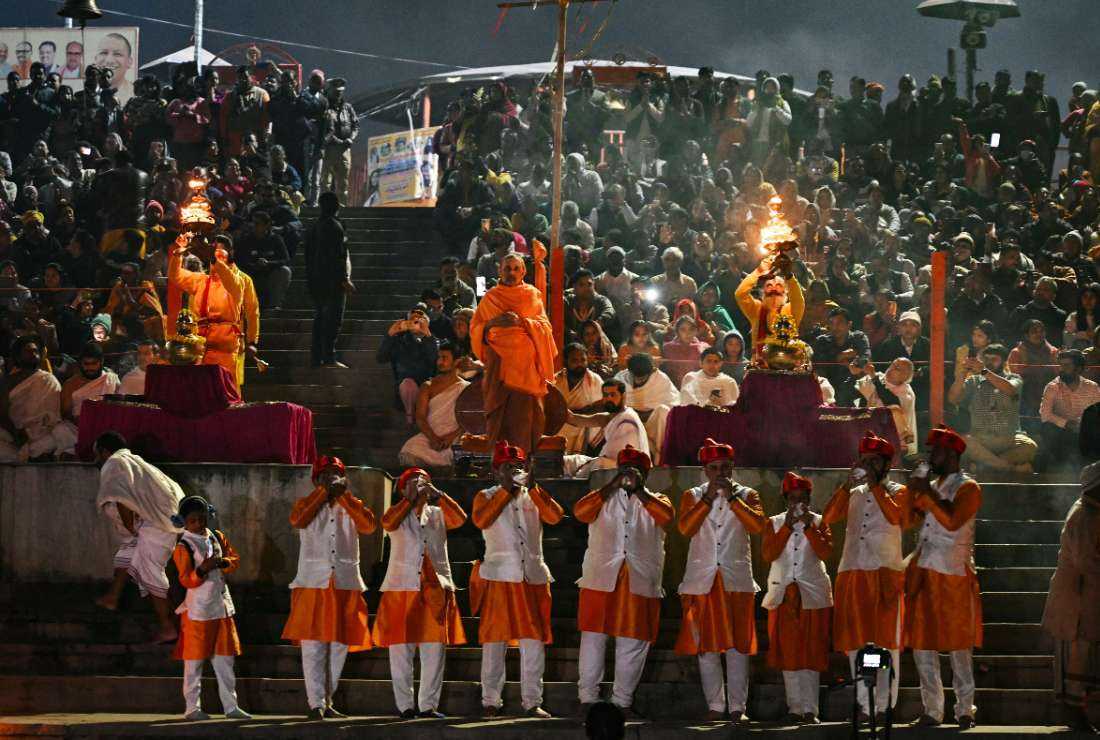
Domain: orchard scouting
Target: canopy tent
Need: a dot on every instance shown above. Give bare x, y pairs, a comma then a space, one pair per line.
393, 103
187, 54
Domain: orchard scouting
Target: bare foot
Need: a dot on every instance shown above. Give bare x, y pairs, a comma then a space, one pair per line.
108, 603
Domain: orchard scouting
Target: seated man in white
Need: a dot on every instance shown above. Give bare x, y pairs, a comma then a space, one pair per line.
652, 394
30, 405
708, 386
622, 428
435, 415
581, 388
133, 382
91, 382
892, 389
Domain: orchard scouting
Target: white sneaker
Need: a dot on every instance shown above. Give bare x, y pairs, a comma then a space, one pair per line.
237, 713
196, 716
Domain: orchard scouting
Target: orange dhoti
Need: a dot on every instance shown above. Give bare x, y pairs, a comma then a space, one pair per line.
510, 611
328, 615
717, 621
868, 608
203, 640
943, 612
798, 639
619, 613
424, 616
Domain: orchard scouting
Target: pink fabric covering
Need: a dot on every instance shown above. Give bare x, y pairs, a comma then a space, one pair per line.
249, 433
192, 391
777, 422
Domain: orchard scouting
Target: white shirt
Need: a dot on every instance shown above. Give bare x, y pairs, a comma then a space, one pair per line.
211, 600
798, 564
697, 388
720, 545
329, 549
940, 549
513, 543
906, 417
413, 538
133, 383
870, 541
624, 531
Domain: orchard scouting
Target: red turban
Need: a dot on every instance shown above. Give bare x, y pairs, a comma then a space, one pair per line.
870, 444
504, 452
795, 482
630, 456
407, 475
711, 451
945, 436
327, 461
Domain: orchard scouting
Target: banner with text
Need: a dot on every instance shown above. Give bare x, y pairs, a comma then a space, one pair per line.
401, 166
67, 51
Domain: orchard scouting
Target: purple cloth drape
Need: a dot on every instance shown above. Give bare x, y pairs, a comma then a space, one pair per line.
193, 391
777, 422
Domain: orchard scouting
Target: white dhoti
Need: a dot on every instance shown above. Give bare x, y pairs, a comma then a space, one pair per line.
931, 683
418, 451
151, 553
532, 662
34, 406
322, 664
431, 675
803, 689
630, 655
625, 428
735, 682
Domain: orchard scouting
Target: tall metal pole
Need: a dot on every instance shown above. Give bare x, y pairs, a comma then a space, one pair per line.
198, 35
971, 65
557, 254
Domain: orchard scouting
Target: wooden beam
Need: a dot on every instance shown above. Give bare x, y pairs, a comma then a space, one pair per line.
557, 254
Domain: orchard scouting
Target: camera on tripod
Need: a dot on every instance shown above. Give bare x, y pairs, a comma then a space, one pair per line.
870, 660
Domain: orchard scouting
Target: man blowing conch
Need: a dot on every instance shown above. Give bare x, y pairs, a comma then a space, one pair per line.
511, 334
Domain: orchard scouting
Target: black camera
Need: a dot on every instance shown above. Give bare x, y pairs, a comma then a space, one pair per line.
870, 660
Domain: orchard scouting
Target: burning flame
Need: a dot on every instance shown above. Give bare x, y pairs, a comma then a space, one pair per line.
196, 213
776, 231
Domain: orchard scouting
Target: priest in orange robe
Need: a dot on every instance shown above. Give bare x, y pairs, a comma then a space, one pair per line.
418, 608
942, 598
718, 593
511, 587
799, 599
328, 616
216, 298
511, 334
621, 578
782, 296
870, 580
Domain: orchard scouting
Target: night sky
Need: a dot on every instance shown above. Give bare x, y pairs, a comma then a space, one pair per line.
879, 39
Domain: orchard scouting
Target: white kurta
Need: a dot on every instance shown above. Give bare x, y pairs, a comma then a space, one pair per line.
700, 389
905, 415
34, 406
133, 383
441, 418
583, 394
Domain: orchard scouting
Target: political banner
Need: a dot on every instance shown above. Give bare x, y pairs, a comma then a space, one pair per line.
401, 166
67, 51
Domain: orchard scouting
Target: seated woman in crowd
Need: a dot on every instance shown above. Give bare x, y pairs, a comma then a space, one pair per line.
735, 361
601, 352
1081, 324
687, 307
682, 352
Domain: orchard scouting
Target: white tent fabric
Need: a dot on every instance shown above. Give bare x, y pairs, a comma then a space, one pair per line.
186, 54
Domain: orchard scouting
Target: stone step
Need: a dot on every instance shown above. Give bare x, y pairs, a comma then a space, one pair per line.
23, 694
1015, 556
464, 664
1014, 579
1018, 532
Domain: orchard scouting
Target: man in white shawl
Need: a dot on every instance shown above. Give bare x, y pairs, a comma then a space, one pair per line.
652, 394
581, 388
621, 428
1072, 613
892, 389
141, 502
435, 415
92, 382
30, 406
709, 386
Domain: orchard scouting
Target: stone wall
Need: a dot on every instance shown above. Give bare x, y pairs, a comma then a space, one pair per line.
51, 531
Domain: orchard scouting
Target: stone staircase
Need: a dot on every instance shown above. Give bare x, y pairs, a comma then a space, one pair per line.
61, 655
395, 255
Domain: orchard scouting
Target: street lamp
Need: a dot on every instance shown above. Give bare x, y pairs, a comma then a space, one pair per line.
977, 15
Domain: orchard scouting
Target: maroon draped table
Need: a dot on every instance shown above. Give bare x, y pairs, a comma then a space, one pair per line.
244, 433
193, 391
777, 422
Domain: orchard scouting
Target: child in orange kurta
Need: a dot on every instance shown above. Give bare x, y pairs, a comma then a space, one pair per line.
511, 587
207, 632
418, 609
799, 599
328, 615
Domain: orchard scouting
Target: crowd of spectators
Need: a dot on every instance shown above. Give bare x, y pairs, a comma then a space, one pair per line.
91, 191
666, 187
